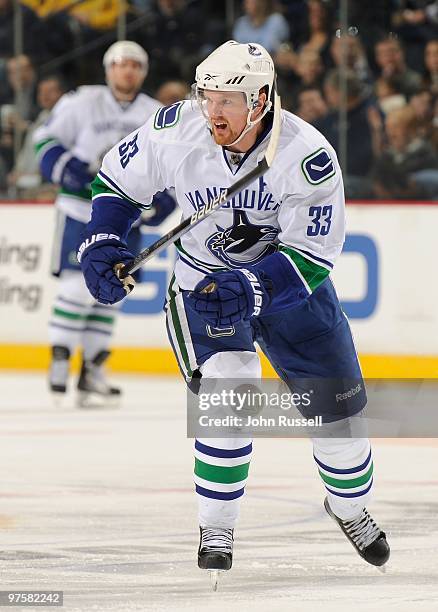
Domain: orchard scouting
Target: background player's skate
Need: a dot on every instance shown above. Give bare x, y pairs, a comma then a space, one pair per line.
94, 390
58, 373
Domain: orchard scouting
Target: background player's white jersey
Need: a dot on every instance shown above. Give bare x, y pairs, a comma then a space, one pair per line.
88, 122
297, 206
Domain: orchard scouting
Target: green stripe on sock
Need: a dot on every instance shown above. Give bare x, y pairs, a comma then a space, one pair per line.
313, 274
67, 315
349, 483
100, 319
221, 474
180, 336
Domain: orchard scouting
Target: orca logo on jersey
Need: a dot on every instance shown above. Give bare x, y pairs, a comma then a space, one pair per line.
243, 242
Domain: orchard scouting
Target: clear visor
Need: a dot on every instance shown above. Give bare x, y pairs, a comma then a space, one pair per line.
219, 103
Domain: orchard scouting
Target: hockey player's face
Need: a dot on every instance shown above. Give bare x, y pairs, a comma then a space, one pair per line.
227, 112
126, 76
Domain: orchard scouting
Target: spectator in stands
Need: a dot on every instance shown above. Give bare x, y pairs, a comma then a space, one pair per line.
407, 169
316, 36
33, 40
431, 62
173, 37
25, 176
318, 33
308, 73
171, 92
373, 21
415, 22
349, 49
434, 134
422, 105
21, 107
311, 105
260, 24
22, 82
391, 62
388, 94
364, 130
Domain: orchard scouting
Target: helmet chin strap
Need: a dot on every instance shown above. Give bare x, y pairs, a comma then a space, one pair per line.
250, 124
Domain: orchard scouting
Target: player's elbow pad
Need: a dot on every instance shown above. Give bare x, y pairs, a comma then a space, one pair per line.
51, 162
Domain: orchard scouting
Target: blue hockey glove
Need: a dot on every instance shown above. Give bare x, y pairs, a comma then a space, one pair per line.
225, 298
162, 206
98, 255
75, 175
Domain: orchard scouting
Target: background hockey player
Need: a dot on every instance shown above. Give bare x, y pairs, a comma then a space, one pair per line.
83, 126
285, 231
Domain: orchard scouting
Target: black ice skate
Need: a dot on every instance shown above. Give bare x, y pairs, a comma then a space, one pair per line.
93, 387
367, 537
215, 551
58, 372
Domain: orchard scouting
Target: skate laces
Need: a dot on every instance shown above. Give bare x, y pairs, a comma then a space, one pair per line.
217, 539
363, 530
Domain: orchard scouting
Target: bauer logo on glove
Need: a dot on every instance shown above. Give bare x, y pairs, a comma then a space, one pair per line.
91, 240
103, 258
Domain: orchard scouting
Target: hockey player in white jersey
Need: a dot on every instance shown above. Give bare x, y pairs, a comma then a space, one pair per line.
256, 270
83, 126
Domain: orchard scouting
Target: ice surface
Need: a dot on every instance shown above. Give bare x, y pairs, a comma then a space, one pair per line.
100, 504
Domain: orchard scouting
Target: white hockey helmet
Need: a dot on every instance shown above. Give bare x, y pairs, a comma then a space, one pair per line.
234, 66
126, 49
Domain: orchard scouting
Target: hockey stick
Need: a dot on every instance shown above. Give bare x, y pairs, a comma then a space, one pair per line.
226, 195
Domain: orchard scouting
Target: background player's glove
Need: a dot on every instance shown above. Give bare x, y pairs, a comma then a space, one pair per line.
225, 298
98, 255
59, 166
75, 175
162, 206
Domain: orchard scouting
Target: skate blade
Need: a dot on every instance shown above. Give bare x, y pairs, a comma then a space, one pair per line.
97, 401
214, 578
57, 399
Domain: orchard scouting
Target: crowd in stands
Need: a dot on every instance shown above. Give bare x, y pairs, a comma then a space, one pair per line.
388, 84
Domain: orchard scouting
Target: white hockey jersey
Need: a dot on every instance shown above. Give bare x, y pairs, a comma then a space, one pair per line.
297, 207
88, 122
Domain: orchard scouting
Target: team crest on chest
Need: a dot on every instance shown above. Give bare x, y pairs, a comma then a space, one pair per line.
243, 242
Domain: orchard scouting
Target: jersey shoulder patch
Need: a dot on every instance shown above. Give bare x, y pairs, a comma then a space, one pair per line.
168, 116
318, 167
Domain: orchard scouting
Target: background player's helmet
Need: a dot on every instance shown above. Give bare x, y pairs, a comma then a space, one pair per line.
233, 66
126, 49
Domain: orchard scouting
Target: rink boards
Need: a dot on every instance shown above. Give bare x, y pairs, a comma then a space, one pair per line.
384, 277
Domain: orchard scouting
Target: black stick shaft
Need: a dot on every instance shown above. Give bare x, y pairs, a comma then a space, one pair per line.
190, 222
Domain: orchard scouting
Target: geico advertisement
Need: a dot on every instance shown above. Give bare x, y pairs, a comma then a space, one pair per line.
384, 278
